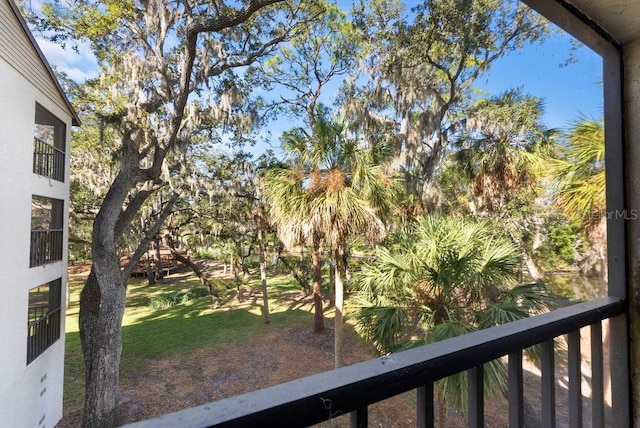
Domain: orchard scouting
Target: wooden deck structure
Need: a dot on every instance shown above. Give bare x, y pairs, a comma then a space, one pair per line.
147, 262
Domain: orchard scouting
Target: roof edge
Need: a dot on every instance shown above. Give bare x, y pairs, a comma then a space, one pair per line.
75, 119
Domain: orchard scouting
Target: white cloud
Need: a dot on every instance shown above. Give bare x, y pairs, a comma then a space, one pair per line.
79, 66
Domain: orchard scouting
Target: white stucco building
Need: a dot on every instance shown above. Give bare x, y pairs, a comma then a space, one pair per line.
35, 122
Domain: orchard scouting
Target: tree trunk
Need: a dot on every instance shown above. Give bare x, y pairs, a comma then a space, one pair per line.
102, 303
234, 267
299, 276
318, 325
68, 296
157, 258
151, 278
215, 297
241, 258
263, 278
339, 305
534, 271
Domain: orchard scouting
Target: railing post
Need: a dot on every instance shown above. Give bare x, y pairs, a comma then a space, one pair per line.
516, 401
359, 418
597, 374
424, 406
548, 385
575, 379
48, 160
475, 385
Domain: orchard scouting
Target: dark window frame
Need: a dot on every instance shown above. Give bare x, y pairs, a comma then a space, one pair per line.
47, 233
50, 134
43, 318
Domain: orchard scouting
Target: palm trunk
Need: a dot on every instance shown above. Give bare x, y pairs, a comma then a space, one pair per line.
339, 305
263, 278
332, 283
318, 325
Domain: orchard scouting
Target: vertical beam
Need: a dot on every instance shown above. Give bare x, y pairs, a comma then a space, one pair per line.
575, 379
547, 366
424, 406
623, 209
597, 373
516, 381
475, 386
359, 418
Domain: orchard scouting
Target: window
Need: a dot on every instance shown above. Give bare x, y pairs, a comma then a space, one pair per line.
49, 145
46, 230
43, 324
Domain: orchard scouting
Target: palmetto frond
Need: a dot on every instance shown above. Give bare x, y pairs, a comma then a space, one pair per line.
503, 149
385, 327
284, 190
580, 176
451, 265
447, 276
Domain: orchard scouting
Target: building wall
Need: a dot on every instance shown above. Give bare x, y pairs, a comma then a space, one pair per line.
30, 395
17, 50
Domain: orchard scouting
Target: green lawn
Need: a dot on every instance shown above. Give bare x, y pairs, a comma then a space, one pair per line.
160, 333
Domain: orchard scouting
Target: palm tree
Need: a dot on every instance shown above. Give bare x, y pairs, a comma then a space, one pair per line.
580, 186
335, 188
499, 159
443, 278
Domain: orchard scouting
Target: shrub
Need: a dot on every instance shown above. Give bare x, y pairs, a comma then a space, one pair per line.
204, 255
168, 300
164, 301
194, 293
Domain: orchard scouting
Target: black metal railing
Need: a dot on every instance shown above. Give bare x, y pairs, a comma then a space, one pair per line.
46, 247
352, 389
42, 333
48, 160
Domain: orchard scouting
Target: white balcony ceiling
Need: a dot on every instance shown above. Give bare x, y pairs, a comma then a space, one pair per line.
620, 18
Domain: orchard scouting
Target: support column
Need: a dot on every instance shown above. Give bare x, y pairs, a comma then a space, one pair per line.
631, 59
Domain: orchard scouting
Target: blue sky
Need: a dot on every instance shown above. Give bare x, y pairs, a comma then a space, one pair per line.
569, 90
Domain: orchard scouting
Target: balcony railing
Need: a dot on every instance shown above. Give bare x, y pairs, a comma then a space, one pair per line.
46, 247
42, 333
48, 160
352, 389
